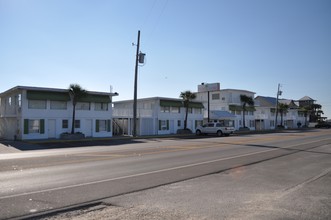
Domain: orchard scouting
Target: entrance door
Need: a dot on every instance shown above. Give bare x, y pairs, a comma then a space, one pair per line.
88, 128
259, 124
51, 128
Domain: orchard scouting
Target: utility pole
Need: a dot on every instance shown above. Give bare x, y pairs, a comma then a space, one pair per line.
278, 94
208, 93
134, 133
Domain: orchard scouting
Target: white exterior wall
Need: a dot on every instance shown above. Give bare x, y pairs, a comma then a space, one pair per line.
149, 114
290, 119
85, 116
227, 97
265, 117
12, 116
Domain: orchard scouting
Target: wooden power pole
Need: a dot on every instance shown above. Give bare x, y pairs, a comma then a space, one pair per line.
134, 133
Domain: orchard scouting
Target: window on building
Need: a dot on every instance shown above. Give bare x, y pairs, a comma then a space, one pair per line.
9, 101
58, 105
83, 106
197, 111
175, 109
165, 108
163, 125
77, 123
19, 100
34, 126
272, 123
198, 123
102, 125
215, 96
179, 123
101, 106
65, 123
190, 110
37, 104
252, 123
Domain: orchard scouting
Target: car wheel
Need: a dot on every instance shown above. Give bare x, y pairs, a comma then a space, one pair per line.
198, 132
219, 133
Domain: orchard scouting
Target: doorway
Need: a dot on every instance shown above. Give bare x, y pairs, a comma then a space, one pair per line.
51, 128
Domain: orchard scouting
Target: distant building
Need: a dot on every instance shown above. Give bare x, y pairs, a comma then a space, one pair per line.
265, 114
155, 116
306, 101
42, 113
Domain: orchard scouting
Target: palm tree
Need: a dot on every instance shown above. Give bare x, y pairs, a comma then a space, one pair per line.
187, 96
76, 92
316, 113
282, 110
246, 100
306, 111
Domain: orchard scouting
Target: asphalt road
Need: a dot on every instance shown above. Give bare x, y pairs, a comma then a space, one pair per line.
46, 180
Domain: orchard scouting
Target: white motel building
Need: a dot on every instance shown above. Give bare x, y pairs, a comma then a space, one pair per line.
46, 113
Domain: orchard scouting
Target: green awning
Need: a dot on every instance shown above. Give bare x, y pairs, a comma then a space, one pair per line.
173, 103
47, 95
195, 105
64, 96
166, 103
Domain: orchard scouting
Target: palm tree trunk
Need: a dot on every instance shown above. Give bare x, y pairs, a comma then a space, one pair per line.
73, 119
185, 121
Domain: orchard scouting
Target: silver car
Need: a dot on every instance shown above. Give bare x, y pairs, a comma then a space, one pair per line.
217, 128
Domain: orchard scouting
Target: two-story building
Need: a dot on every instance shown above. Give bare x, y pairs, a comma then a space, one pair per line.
155, 116
42, 113
223, 104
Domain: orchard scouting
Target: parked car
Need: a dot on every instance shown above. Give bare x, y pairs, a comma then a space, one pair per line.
323, 125
217, 128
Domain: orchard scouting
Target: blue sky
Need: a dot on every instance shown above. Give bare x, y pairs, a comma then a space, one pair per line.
243, 44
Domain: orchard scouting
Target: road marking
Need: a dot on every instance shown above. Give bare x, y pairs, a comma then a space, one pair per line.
153, 172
